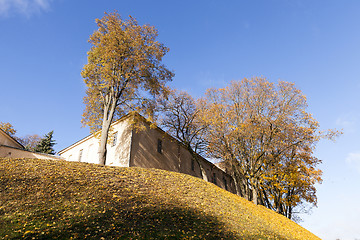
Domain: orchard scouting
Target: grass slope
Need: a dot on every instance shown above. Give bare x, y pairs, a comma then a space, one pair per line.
44, 199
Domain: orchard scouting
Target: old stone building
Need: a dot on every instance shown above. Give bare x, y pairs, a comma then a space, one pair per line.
146, 146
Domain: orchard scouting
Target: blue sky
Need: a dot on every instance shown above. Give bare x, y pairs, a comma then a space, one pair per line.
315, 44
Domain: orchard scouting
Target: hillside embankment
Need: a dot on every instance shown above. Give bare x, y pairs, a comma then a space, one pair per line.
46, 199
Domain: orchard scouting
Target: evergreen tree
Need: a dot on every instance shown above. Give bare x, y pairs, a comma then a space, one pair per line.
46, 144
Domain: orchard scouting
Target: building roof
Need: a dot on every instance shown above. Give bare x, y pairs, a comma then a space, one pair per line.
11, 139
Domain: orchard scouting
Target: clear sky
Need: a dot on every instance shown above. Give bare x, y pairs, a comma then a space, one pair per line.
316, 44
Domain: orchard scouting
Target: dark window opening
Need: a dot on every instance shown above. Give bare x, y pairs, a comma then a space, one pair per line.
178, 153
225, 183
159, 146
192, 164
114, 139
214, 179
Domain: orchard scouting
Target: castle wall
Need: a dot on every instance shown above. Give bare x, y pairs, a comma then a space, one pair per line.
153, 148
118, 147
147, 147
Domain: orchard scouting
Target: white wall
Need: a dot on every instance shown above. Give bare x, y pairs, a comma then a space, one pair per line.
117, 155
87, 148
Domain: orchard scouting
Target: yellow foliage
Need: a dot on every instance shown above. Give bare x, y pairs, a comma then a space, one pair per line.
8, 128
124, 68
266, 138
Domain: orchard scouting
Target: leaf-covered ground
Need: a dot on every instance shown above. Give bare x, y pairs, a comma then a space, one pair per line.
45, 199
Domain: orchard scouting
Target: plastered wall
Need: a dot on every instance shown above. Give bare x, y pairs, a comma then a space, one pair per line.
118, 151
172, 156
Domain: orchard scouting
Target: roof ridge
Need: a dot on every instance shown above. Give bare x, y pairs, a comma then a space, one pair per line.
12, 138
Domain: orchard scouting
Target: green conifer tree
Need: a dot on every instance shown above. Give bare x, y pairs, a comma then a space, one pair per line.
46, 144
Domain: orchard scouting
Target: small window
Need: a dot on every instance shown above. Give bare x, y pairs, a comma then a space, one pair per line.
192, 164
80, 155
179, 151
225, 183
159, 146
214, 178
70, 158
114, 139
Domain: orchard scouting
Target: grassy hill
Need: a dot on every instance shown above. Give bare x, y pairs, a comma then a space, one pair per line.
44, 199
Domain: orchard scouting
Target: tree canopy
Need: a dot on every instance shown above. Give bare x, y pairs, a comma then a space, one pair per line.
30, 141
265, 138
179, 116
123, 74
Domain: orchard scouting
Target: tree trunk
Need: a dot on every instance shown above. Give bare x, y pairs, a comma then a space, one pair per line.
254, 193
239, 182
247, 189
109, 110
289, 215
202, 170
103, 142
237, 187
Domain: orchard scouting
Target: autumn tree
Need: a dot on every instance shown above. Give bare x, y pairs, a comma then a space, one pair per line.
266, 139
179, 116
123, 74
291, 182
8, 128
30, 141
46, 144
